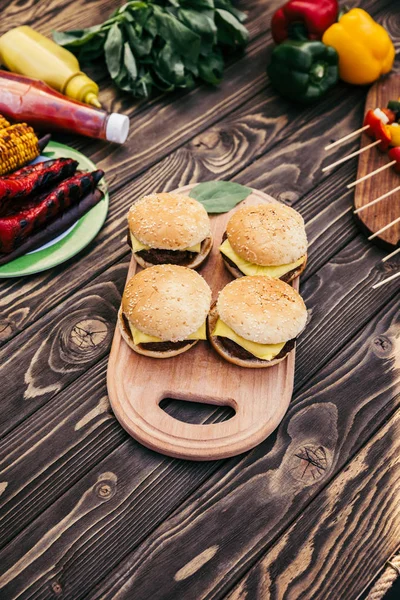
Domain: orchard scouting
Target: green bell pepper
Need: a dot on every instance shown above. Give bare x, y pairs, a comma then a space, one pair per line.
303, 71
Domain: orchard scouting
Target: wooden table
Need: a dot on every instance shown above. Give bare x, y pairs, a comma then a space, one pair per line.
313, 512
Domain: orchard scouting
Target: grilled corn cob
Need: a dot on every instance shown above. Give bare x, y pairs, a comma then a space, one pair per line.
18, 146
3, 122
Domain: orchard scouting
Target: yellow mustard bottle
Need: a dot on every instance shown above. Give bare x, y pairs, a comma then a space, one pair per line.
27, 52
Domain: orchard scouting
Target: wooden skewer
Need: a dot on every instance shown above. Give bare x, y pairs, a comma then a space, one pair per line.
361, 208
374, 235
391, 255
342, 160
372, 174
377, 285
346, 137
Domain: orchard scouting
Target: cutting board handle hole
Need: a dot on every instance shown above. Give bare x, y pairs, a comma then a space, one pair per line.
195, 412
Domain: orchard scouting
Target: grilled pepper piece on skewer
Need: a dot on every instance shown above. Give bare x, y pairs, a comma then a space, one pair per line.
394, 105
34, 179
310, 18
394, 131
303, 71
365, 49
394, 154
55, 227
378, 129
15, 228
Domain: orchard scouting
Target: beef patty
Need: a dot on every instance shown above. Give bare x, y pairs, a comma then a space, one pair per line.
235, 350
157, 256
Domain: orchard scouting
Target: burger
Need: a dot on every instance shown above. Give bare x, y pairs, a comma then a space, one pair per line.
163, 311
267, 239
169, 229
255, 321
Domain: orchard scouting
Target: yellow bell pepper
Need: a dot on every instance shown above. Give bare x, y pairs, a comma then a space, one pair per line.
365, 49
394, 131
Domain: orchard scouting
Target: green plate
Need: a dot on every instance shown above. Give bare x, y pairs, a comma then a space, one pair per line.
72, 241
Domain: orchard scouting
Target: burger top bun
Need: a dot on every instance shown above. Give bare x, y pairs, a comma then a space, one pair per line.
167, 301
267, 234
169, 221
262, 309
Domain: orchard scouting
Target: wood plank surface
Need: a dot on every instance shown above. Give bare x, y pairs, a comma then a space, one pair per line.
98, 538
357, 515
216, 154
87, 512
254, 500
39, 357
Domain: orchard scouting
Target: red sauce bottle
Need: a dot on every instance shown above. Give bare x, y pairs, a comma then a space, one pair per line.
30, 100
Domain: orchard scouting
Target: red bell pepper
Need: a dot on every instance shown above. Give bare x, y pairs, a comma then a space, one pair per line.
16, 227
314, 15
394, 154
33, 179
377, 130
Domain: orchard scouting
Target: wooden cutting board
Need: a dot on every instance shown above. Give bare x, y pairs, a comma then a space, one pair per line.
137, 384
375, 217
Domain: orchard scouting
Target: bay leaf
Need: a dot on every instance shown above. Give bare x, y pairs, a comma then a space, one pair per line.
219, 196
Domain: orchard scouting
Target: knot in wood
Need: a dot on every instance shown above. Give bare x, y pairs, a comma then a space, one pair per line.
88, 333
56, 587
288, 197
5, 330
309, 463
105, 490
207, 141
382, 346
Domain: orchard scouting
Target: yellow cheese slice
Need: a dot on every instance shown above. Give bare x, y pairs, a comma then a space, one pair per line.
263, 351
195, 248
249, 268
142, 338
138, 246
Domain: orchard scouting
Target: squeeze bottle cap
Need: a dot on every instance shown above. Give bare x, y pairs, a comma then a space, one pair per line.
117, 128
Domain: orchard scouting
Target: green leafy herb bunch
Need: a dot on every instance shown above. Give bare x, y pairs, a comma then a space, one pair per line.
163, 44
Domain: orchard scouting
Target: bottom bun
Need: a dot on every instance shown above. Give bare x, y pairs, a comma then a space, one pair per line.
196, 262
287, 277
229, 353
126, 334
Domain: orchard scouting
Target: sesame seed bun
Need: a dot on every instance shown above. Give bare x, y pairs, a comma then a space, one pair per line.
262, 309
267, 234
169, 221
166, 301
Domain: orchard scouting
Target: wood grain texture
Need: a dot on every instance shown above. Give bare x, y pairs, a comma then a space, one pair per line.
50, 451
216, 154
343, 537
97, 540
373, 218
254, 500
220, 153
136, 384
41, 428
67, 521
50, 359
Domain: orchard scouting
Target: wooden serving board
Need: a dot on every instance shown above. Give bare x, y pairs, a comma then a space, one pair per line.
375, 217
137, 384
